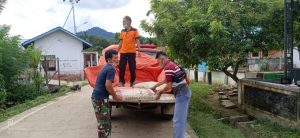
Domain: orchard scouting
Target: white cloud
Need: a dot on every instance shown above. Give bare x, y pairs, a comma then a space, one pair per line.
32, 17
103, 4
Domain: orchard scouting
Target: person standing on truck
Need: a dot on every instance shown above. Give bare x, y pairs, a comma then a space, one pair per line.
129, 38
175, 80
102, 90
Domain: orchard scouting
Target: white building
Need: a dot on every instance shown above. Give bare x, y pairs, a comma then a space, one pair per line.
296, 58
62, 44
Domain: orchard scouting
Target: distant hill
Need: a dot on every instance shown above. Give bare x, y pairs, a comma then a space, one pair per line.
99, 32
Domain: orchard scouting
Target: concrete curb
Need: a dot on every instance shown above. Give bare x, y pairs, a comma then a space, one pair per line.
190, 132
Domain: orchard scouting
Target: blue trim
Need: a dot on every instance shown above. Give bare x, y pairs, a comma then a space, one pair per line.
30, 41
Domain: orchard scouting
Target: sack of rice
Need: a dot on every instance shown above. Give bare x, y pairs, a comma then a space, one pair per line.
148, 85
134, 94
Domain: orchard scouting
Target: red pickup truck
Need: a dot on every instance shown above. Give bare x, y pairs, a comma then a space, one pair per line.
147, 69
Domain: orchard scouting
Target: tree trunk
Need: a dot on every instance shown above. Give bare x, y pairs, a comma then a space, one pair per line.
235, 70
234, 77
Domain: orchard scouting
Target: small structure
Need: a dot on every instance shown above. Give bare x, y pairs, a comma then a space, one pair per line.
271, 60
274, 99
62, 44
296, 57
266, 60
90, 58
278, 102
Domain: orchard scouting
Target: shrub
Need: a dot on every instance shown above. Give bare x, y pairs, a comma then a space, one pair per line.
12, 58
22, 92
2, 98
20, 79
2, 92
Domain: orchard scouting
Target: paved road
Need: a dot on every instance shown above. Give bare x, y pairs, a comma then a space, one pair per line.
72, 116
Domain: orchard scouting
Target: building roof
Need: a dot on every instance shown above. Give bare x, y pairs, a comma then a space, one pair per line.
30, 41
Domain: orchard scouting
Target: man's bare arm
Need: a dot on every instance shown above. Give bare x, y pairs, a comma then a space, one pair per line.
120, 45
158, 84
110, 89
168, 87
138, 43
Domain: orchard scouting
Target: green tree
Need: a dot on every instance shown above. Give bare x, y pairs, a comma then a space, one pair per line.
2, 83
15, 63
116, 39
217, 31
296, 27
12, 63
2, 92
143, 40
272, 27
98, 42
19, 78
148, 40
12, 58
33, 56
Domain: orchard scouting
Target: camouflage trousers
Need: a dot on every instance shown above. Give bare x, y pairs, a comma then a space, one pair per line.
102, 112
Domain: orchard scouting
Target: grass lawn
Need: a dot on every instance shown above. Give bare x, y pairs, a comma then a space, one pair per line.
267, 129
203, 119
9, 112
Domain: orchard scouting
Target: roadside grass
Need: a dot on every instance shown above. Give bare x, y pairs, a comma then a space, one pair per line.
203, 119
267, 129
84, 84
9, 112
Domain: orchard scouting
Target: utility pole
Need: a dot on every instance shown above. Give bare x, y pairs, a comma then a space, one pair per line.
288, 41
72, 10
75, 30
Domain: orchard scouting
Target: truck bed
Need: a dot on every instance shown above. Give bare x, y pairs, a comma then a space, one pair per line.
166, 103
164, 99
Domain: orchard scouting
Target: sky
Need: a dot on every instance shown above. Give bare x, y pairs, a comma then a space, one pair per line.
33, 17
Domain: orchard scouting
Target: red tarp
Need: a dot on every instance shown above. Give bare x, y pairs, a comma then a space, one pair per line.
147, 69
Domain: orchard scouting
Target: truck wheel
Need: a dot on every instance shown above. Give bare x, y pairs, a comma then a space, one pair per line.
163, 113
110, 110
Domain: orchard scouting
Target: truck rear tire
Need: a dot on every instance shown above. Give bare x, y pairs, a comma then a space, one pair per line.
164, 115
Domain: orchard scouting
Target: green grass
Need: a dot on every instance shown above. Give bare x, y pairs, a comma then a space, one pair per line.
9, 112
83, 84
267, 129
203, 119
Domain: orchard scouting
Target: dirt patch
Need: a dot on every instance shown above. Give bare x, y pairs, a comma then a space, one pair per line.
236, 117
68, 77
213, 100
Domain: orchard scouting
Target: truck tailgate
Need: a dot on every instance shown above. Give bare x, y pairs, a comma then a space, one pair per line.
165, 98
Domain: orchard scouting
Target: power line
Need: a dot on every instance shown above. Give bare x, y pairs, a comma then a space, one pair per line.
68, 27
72, 10
67, 17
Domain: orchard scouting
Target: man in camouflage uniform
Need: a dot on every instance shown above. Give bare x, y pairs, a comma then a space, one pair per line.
102, 90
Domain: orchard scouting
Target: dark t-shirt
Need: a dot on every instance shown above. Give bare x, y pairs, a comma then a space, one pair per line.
107, 73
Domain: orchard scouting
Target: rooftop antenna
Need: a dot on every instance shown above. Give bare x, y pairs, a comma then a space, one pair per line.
72, 10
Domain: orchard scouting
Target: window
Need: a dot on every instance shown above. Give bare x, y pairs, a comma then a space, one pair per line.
50, 62
255, 54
